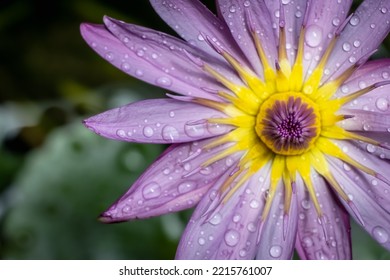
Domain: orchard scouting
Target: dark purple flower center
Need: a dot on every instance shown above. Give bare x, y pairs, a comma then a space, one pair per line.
288, 123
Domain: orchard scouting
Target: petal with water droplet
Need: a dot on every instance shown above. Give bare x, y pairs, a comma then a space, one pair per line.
126, 123
158, 192
313, 236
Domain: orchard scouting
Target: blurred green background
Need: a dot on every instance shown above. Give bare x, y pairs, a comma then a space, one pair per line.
56, 177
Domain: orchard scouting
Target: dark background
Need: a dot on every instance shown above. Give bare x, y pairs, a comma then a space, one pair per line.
56, 177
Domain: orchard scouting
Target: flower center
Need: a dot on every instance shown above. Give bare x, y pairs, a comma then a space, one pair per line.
288, 123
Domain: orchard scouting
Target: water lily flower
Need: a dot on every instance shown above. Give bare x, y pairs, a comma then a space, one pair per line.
279, 124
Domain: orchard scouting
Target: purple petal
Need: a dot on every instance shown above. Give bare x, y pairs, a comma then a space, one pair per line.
236, 13
157, 121
322, 18
372, 73
363, 34
173, 182
374, 187
153, 61
190, 19
226, 230
316, 240
292, 13
371, 199
278, 234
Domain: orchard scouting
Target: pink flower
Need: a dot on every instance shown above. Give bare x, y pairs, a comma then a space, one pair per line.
280, 127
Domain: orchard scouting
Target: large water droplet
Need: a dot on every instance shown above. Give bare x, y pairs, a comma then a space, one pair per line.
232, 237
148, 131
164, 81
354, 20
186, 186
232, 9
380, 234
313, 36
169, 133
151, 190
194, 130
382, 104
371, 148
216, 219
346, 46
336, 21
276, 251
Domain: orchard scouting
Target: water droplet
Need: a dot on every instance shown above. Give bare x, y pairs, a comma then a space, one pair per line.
121, 133
186, 186
385, 75
166, 171
247, 3
346, 167
374, 182
236, 218
242, 253
201, 241
382, 104
305, 204
313, 36
298, 14
285, 2
307, 241
232, 9
229, 161
200, 37
302, 216
172, 114
352, 59
354, 20
251, 227
362, 84
275, 251
383, 10
125, 66
169, 133
164, 81
232, 237
194, 130
372, 25
346, 46
109, 56
336, 21
254, 204
206, 171
356, 43
371, 148
151, 190
216, 219
139, 73
148, 131
140, 52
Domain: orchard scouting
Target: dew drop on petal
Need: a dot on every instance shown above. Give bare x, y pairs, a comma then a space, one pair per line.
216, 219
201, 241
151, 190
236, 218
139, 73
356, 43
194, 130
285, 2
307, 241
382, 104
313, 36
121, 133
186, 187
109, 56
254, 204
251, 227
385, 75
242, 253
336, 22
169, 133
354, 20
164, 81
275, 251
380, 234
125, 66
148, 131
305, 204
383, 10
346, 46
232, 237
